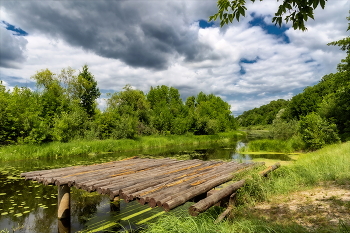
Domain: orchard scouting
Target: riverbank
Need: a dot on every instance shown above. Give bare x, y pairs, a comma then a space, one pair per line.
34, 151
291, 145
309, 174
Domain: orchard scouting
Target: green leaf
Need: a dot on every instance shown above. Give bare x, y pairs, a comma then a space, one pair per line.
241, 11
230, 17
323, 3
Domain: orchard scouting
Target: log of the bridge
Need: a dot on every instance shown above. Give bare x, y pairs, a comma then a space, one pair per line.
182, 197
82, 170
28, 175
86, 170
82, 175
129, 181
155, 198
155, 189
68, 170
208, 202
116, 171
93, 184
110, 183
171, 187
168, 176
161, 199
224, 214
231, 203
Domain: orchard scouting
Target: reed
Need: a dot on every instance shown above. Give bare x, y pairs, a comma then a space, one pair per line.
273, 145
78, 147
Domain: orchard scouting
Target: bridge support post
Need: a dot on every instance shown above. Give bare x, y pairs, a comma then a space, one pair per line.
63, 202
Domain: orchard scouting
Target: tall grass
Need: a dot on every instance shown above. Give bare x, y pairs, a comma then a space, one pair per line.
331, 163
273, 145
99, 146
204, 223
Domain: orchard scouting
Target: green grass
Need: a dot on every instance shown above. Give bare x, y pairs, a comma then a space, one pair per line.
331, 163
26, 151
273, 145
204, 223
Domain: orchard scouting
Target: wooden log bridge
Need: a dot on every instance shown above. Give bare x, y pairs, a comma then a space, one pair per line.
166, 182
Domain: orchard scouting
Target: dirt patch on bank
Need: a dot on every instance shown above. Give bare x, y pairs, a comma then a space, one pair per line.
325, 206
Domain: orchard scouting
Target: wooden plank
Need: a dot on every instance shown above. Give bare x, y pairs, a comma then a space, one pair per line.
30, 175
208, 202
182, 197
165, 177
142, 174
165, 183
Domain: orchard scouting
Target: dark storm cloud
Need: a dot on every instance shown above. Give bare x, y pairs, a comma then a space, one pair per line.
12, 49
141, 34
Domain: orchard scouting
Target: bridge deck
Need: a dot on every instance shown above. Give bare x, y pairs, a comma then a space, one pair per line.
159, 182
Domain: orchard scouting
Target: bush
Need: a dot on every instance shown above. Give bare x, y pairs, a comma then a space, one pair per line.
316, 132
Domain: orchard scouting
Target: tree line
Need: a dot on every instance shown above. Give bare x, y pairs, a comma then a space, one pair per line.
64, 108
319, 115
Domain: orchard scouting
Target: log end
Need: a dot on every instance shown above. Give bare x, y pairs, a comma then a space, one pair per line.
142, 200
166, 207
193, 211
152, 203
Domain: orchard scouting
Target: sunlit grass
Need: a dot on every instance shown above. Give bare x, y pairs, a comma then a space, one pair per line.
273, 145
14, 152
331, 163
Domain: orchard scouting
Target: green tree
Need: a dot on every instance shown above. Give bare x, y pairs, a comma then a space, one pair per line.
282, 129
70, 124
344, 45
167, 110
20, 112
87, 90
336, 106
212, 115
131, 109
295, 11
53, 96
316, 132
264, 115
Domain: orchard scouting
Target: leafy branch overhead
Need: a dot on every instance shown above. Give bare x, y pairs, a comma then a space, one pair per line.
295, 11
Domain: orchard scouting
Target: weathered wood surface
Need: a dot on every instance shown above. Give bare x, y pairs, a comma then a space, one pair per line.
163, 182
215, 197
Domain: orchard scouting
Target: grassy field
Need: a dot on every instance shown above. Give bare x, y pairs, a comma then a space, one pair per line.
29, 151
331, 163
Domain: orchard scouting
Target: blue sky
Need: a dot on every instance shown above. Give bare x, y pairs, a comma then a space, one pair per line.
247, 63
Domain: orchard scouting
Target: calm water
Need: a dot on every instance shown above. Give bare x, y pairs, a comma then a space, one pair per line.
27, 206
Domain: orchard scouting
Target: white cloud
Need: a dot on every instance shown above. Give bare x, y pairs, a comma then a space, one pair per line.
280, 70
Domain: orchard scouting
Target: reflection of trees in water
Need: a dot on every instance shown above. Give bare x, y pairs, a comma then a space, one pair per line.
199, 154
45, 220
84, 204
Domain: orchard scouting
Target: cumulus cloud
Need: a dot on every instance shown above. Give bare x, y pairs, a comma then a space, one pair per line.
12, 52
141, 34
150, 43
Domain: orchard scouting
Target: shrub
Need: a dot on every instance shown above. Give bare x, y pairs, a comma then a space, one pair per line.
316, 132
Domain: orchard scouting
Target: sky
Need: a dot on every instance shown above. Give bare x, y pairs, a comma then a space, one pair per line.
151, 43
